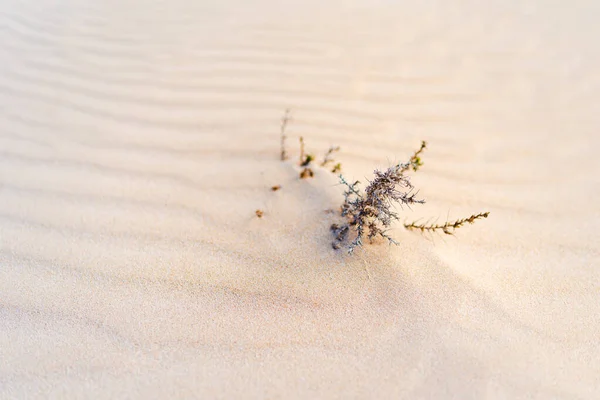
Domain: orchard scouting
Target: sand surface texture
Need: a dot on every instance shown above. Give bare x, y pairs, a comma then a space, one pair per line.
137, 139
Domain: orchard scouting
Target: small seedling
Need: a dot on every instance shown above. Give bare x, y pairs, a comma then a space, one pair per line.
329, 160
307, 160
259, 213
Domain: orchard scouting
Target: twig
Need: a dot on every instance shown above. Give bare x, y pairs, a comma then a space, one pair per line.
448, 228
301, 150
327, 159
284, 122
415, 161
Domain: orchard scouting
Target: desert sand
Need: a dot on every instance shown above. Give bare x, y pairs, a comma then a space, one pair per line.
138, 138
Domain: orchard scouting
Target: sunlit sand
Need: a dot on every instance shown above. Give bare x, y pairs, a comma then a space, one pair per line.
138, 139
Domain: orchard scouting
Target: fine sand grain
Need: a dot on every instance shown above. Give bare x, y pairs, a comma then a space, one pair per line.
138, 138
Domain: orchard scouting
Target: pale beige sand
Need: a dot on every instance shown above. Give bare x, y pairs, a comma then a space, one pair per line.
137, 138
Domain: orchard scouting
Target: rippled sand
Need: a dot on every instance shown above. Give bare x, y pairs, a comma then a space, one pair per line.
137, 139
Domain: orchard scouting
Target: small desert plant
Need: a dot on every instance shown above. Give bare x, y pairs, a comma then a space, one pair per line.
370, 213
305, 159
337, 167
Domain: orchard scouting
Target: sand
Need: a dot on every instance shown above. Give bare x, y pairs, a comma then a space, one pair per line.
139, 137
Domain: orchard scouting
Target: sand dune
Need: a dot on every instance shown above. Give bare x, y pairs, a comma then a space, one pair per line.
138, 138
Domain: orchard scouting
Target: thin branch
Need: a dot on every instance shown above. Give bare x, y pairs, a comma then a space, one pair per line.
305, 160
327, 159
448, 228
415, 161
284, 121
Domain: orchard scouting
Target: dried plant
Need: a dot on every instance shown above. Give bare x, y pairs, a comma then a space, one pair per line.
371, 213
327, 158
305, 159
284, 121
340, 233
